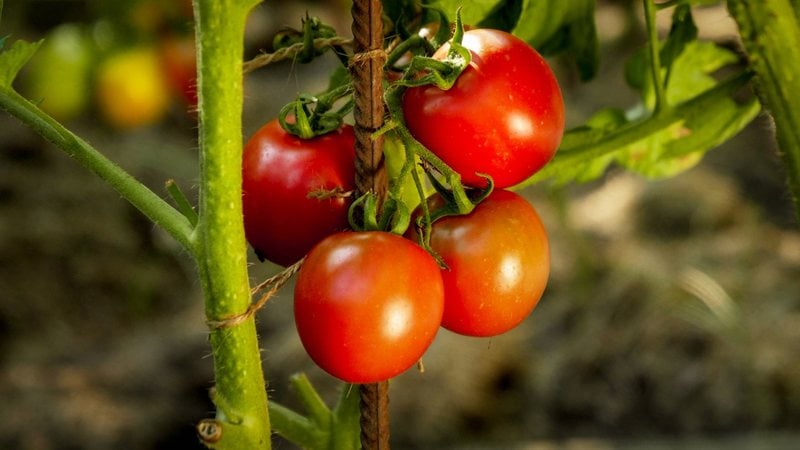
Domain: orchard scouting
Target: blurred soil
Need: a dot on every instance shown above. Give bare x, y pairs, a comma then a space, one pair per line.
673, 309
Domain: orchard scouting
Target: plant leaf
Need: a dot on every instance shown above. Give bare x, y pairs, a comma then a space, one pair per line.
584, 46
603, 122
13, 58
682, 145
540, 19
673, 142
556, 27
472, 11
504, 17
682, 31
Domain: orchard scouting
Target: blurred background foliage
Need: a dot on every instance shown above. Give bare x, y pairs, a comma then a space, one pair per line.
672, 318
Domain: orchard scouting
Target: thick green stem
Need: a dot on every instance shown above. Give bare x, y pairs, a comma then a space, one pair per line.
150, 204
240, 394
770, 31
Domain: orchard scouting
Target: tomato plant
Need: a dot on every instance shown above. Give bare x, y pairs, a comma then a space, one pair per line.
293, 190
504, 116
367, 305
498, 262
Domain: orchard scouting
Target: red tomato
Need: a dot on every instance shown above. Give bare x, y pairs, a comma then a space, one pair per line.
504, 116
498, 260
280, 172
367, 305
180, 66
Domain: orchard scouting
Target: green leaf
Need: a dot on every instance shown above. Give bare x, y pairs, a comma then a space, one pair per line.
655, 146
603, 122
682, 31
691, 71
540, 20
692, 67
12, 60
472, 11
339, 77
584, 46
712, 126
504, 17
637, 69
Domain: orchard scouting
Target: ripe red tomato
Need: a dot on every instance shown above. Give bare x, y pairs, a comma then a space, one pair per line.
498, 260
279, 173
504, 116
367, 305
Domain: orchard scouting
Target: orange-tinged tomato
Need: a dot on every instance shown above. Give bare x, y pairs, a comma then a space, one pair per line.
498, 262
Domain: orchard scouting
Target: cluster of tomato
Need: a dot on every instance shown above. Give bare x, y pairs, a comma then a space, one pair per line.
368, 304
130, 69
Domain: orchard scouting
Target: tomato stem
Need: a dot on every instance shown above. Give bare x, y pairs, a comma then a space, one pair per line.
181, 202
655, 57
767, 27
317, 410
139, 195
222, 254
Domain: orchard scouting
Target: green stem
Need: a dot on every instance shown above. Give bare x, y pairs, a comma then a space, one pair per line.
770, 30
181, 202
240, 394
297, 428
150, 204
317, 410
655, 57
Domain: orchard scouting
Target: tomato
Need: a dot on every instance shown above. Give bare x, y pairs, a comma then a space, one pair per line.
503, 117
59, 72
180, 67
498, 262
131, 90
367, 305
279, 173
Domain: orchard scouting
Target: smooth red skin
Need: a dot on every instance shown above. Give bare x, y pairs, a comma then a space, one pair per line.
481, 298
279, 170
503, 117
367, 305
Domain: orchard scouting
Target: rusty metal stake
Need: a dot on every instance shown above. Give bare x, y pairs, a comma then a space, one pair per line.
366, 68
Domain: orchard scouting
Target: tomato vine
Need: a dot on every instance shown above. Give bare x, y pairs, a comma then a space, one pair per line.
677, 120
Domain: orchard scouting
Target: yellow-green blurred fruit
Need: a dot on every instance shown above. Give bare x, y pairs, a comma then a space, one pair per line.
58, 75
131, 89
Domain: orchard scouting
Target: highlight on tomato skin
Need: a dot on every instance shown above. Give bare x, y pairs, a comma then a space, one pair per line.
503, 117
292, 190
367, 305
498, 263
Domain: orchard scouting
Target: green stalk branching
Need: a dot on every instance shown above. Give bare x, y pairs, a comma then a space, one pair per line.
139, 195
